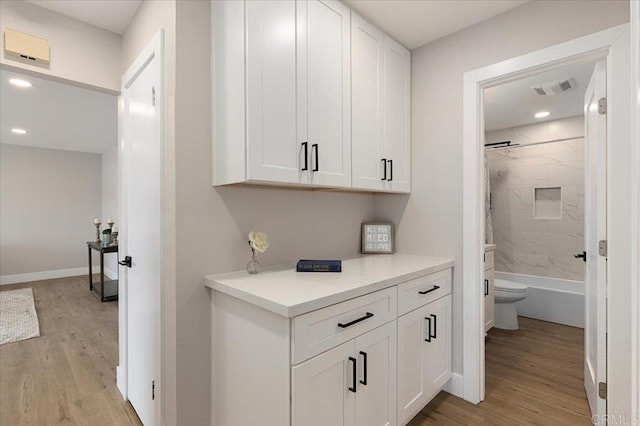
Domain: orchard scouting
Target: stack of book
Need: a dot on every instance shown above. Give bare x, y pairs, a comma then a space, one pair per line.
307, 265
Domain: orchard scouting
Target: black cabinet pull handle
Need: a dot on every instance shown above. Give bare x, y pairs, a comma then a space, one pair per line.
428, 338
384, 168
435, 327
306, 157
364, 359
582, 256
126, 262
434, 288
355, 368
390, 170
486, 287
315, 147
349, 324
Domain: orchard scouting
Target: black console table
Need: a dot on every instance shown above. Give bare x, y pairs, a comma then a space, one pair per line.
108, 290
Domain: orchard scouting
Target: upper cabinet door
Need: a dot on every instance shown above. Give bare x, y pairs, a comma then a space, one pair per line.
367, 70
324, 90
397, 92
274, 153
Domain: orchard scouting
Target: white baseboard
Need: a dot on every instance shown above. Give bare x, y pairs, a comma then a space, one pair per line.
121, 382
49, 275
109, 273
455, 386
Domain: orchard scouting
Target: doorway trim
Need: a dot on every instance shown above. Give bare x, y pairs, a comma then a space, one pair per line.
590, 47
155, 49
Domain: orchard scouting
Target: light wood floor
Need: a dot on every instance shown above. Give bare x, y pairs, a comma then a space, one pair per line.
68, 374
534, 376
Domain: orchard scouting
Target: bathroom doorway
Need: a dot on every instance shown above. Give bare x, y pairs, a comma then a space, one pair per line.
534, 262
613, 46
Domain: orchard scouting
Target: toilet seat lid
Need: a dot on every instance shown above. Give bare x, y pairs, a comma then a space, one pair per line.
509, 286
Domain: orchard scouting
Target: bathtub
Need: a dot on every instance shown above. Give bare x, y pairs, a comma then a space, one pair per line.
550, 299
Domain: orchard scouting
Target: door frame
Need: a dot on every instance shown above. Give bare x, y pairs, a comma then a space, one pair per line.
598, 45
155, 49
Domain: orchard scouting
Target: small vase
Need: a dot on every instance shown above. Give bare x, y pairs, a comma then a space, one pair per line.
253, 267
106, 240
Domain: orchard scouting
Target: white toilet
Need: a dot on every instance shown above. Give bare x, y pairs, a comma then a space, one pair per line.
507, 294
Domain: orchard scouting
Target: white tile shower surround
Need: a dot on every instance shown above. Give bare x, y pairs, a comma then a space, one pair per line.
525, 245
572, 127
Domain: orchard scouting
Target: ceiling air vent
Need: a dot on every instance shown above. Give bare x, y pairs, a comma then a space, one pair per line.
555, 88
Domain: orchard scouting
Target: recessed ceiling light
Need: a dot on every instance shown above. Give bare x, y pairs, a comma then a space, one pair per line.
19, 82
542, 114
19, 131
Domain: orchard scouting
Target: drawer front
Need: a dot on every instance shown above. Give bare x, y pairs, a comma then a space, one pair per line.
318, 331
488, 259
420, 291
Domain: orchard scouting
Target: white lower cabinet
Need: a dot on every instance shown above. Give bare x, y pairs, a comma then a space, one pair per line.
424, 356
352, 384
354, 362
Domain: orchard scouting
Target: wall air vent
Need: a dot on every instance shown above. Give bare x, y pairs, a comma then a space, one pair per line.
556, 87
30, 48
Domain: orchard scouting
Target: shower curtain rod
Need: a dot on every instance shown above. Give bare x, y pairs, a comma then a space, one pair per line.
528, 144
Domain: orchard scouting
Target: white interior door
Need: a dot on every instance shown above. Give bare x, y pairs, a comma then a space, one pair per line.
141, 191
595, 231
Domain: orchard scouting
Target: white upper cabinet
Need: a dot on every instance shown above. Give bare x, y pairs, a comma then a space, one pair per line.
397, 99
324, 87
285, 75
273, 151
367, 71
380, 141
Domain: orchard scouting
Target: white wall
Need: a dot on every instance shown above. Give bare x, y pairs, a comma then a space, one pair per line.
48, 200
213, 223
80, 52
429, 221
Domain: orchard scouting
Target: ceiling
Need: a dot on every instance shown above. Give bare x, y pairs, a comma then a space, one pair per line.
57, 116
111, 15
415, 23
515, 103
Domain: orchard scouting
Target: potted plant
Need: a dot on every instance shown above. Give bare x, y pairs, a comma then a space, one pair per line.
106, 237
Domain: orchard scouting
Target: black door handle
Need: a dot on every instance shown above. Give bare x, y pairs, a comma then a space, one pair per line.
364, 359
384, 167
126, 262
435, 327
486, 287
582, 255
349, 324
355, 368
315, 147
390, 170
428, 338
434, 288
306, 156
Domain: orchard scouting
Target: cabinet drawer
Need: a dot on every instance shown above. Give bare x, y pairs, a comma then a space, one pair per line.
420, 291
318, 331
488, 259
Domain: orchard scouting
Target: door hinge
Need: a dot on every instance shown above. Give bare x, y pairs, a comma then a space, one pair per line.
602, 390
602, 105
153, 96
153, 390
602, 248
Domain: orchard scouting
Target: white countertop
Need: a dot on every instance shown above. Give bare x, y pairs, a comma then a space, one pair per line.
289, 293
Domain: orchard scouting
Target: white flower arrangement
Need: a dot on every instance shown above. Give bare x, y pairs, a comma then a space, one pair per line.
258, 241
